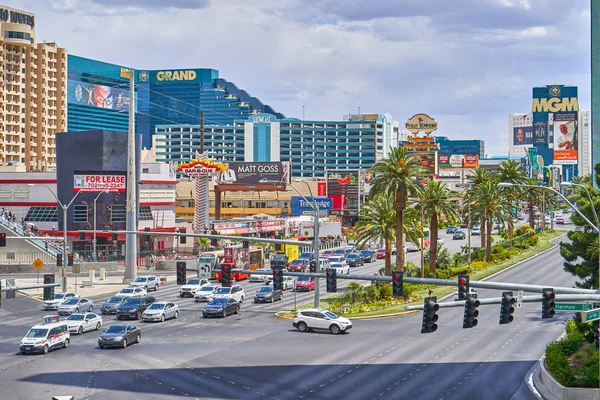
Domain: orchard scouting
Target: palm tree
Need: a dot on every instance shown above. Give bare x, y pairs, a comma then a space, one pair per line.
204, 243
437, 203
513, 172
533, 197
490, 201
479, 176
397, 175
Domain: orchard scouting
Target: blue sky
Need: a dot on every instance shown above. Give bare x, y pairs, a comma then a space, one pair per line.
467, 63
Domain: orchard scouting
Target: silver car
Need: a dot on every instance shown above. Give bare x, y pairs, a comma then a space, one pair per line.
59, 298
205, 293
161, 312
75, 305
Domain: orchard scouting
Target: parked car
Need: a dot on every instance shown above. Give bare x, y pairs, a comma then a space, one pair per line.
341, 268
560, 220
79, 323
451, 229
355, 260
368, 255
235, 292
318, 318
305, 284
149, 282
134, 307
458, 235
221, 308
267, 294
205, 293
380, 254
279, 261
110, 306
58, 299
192, 285
132, 292
120, 335
298, 265
411, 247
475, 231
160, 311
75, 305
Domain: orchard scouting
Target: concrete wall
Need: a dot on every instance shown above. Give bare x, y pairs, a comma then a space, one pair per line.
49, 268
171, 265
560, 392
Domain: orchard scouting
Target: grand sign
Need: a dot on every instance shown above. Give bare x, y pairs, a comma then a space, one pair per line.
183, 75
421, 123
16, 17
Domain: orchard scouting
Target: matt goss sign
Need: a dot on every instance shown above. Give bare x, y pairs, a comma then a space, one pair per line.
253, 173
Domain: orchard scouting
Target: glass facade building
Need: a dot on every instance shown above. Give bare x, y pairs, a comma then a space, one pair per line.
471, 146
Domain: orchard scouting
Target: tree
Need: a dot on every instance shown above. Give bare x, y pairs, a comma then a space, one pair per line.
397, 175
489, 200
533, 197
203, 243
478, 177
437, 200
511, 171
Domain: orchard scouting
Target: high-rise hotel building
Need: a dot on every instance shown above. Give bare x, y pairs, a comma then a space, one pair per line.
33, 88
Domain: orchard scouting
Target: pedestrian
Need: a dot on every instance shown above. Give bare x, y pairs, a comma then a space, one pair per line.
46, 245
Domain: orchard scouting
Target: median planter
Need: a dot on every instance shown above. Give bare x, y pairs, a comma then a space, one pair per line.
559, 391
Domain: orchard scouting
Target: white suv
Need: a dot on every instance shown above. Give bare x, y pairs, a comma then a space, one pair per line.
149, 282
191, 287
318, 318
235, 292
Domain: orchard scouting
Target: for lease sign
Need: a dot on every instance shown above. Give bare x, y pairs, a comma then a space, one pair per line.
99, 183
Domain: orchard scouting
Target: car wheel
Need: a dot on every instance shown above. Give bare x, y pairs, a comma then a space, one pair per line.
91, 309
119, 317
66, 343
101, 346
138, 315
272, 299
255, 301
335, 329
203, 315
76, 310
156, 288
242, 299
162, 318
302, 327
146, 289
138, 338
281, 297
176, 314
237, 310
181, 295
224, 314
80, 330
124, 343
98, 325
45, 349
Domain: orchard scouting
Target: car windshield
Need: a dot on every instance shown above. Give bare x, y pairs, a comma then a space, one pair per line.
157, 306
340, 252
126, 290
303, 278
37, 333
265, 289
278, 257
352, 256
59, 296
71, 301
132, 301
331, 315
116, 329
140, 280
207, 288
115, 299
381, 251
297, 262
365, 252
337, 265
218, 302
306, 255
335, 259
223, 290
75, 317
194, 282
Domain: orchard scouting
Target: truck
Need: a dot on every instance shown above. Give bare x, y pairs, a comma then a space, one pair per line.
236, 257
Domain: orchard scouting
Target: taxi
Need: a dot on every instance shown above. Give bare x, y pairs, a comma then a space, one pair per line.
51, 334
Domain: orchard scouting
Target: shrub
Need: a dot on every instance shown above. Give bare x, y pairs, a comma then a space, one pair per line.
524, 229
588, 374
478, 265
533, 240
558, 364
385, 291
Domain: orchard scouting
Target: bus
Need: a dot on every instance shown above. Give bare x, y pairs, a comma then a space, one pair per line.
255, 260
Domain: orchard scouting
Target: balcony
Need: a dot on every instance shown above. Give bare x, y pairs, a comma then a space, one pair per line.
230, 96
243, 104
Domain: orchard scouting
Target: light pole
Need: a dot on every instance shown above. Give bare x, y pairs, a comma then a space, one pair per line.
571, 184
64, 208
95, 200
177, 238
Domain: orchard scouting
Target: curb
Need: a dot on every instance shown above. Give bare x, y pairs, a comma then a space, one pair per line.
364, 317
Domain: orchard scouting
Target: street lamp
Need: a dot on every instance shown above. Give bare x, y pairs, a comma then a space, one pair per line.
177, 238
96, 199
64, 208
571, 184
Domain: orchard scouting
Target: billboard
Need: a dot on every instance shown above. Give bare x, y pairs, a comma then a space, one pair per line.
565, 138
342, 182
540, 132
253, 173
100, 96
458, 160
522, 136
91, 182
427, 160
299, 204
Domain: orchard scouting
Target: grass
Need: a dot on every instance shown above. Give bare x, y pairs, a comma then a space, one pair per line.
441, 291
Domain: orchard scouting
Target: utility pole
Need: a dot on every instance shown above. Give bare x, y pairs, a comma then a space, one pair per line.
469, 233
131, 221
422, 244
201, 131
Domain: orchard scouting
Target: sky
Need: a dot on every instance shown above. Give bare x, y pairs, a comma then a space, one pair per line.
466, 63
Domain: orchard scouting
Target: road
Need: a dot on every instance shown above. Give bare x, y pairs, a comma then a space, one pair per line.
255, 355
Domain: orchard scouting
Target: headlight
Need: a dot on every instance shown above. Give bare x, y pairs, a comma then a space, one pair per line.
119, 338
100, 339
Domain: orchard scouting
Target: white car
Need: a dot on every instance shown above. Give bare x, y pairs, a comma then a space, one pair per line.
288, 283
260, 278
132, 292
318, 318
59, 298
337, 260
440, 242
341, 268
475, 231
235, 292
205, 293
147, 283
79, 323
411, 247
161, 311
191, 287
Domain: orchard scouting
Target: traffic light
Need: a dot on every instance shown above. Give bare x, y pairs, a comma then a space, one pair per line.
430, 317
213, 241
81, 235
331, 275
226, 275
181, 272
313, 266
463, 287
70, 260
48, 291
277, 279
548, 295
182, 239
59, 261
471, 311
397, 284
2, 239
506, 308
115, 236
246, 244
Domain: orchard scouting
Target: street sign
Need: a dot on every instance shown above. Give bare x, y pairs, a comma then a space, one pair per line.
592, 315
519, 299
572, 306
322, 213
37, 264
203, 270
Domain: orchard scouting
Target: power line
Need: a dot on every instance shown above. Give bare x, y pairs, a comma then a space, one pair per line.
177, 111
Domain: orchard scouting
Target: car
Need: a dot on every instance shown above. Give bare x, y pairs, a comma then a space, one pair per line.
368, 255
45, 337
120, 335
463, 225
471, 291
337, 259
260, 278
134, 307
75, 305
318, 318
475, 231
307, 255
110, 306
411, 247
520, 216
548, 220
324, 263
560, 220
458, 235
160, 311
288, 283
305, 284
58, 299
205, 293
299, 265
341, 268
267, 294
380, 254
149, 282
79, 323
440, 241
339, 252
279, 261
192, 285
327, 253
132, 292
451, 229
355, 260
235, 292
221, 307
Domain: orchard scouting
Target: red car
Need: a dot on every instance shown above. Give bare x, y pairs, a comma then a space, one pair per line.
380, 254
298, 265
560, 220
327, 253
305, 284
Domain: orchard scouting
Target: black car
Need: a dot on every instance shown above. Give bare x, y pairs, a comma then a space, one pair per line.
458, 235
451, 229
355, 260
110, 306
368, 255
267, 294
133, 307
120, 335
221, 308
279, 261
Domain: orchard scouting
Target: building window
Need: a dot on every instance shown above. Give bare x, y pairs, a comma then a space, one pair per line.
118, 214
42, 214
145, 213
80, 213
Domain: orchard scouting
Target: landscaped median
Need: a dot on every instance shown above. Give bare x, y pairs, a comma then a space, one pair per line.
376, 300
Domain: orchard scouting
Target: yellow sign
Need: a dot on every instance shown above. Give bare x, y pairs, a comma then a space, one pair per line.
292, 252
37, 264
555, 104
188, 75
421, 143
125, 73
421, 123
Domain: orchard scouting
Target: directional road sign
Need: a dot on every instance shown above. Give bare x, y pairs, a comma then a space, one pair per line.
592, 315
572, 306
322, 213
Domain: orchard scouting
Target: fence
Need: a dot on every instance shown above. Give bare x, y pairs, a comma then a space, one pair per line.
21, 258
